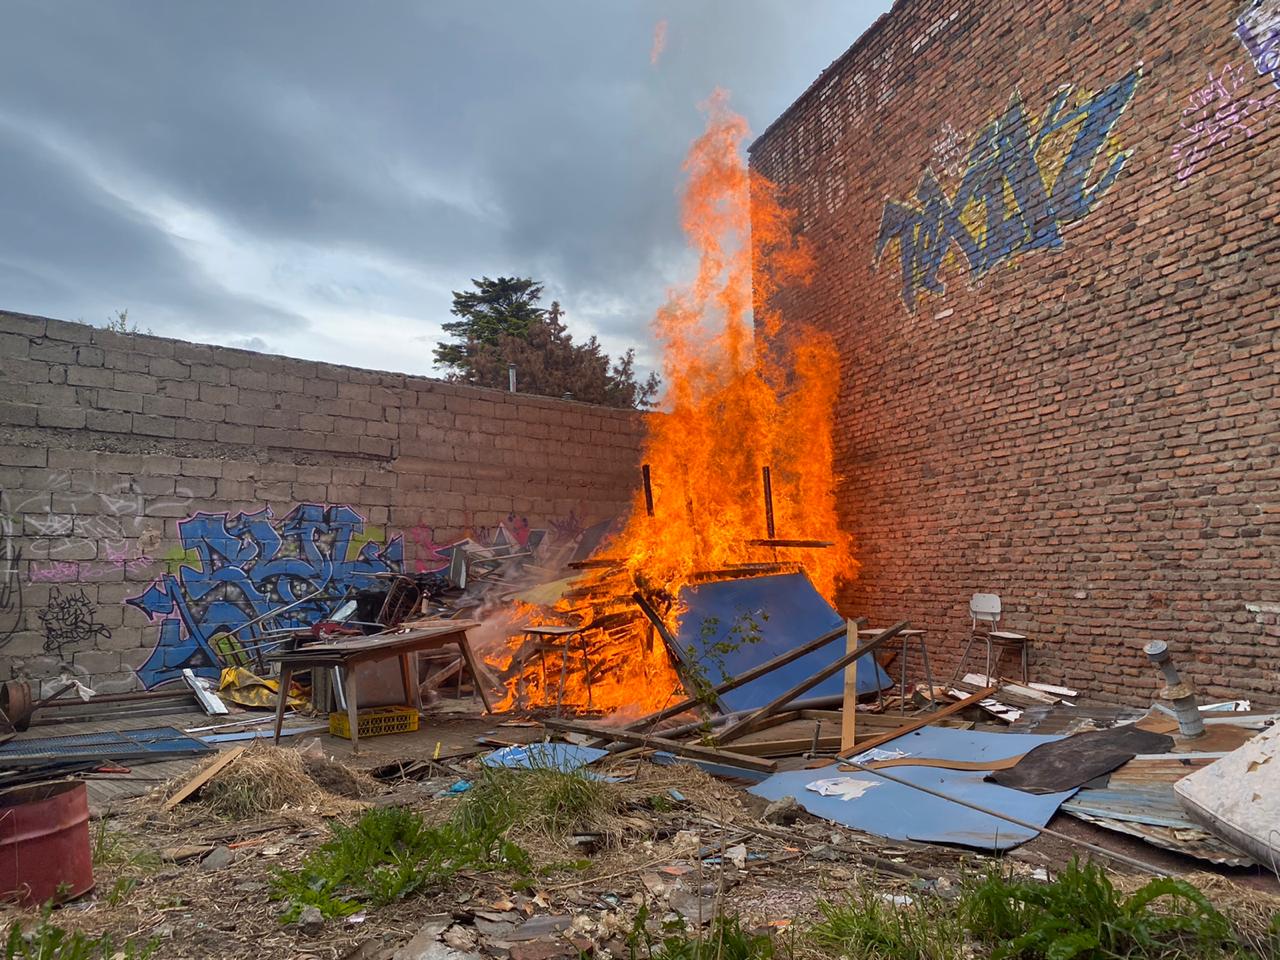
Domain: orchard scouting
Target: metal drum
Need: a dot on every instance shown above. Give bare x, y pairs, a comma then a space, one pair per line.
44, 842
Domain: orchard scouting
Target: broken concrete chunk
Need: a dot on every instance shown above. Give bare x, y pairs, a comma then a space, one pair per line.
311, 921
218, 858
784, 810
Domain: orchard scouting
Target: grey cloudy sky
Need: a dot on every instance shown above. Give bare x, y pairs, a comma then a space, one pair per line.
314, 178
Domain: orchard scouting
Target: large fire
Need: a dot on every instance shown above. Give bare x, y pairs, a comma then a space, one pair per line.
734, 405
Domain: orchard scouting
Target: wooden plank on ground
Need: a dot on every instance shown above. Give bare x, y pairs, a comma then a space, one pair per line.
204, 776
921, 721
689, 750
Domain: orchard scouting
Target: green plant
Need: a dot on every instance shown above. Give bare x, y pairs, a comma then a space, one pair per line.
1082, 915
725, 940
120, 324
47, 941
541, 800
387, 855
866, 925
114, 848
120, 890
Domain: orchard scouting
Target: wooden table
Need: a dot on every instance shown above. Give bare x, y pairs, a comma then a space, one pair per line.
383, 646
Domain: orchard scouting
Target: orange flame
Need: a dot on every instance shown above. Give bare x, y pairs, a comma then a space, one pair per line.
733, 406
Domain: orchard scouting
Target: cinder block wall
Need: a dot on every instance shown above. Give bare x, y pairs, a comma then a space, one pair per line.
126, 462
1047, 246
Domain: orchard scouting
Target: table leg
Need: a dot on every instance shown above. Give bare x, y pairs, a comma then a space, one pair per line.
924, 656
408, 680
286, 674
476, 677
353, 712
902, 707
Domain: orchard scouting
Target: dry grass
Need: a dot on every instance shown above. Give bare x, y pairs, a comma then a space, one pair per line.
266, 779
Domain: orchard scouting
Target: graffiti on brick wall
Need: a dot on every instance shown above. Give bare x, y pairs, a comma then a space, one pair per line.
237, 568
1217, 114
68, 621
1258, 28
1023, 181
948, 151
10, 580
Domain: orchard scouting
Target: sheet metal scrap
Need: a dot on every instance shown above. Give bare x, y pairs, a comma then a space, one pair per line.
1152, 813
892, 810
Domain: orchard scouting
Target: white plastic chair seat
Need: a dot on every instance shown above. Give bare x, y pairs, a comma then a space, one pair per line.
1006, 635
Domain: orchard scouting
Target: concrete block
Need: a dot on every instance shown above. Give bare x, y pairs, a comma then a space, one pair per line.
64, 417
153, 426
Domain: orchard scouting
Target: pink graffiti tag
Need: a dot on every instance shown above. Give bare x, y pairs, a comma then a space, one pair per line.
1215, 114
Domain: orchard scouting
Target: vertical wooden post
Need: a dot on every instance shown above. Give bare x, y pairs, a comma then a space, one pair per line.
849, 710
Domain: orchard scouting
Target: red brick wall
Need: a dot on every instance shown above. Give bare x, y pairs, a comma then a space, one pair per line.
1088, 429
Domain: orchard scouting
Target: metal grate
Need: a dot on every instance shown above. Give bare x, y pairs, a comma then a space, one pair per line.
109, 744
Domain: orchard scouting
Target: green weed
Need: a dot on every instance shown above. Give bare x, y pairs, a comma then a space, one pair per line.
389, 854
1081, 916
725, 940
867, 926
47, 941
114, 848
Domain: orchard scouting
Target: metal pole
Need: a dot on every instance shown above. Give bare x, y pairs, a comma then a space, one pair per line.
511, 377
648, 489
1122, 858
768, 501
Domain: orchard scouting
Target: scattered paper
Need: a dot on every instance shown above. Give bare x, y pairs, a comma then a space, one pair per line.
877, 753
846, 788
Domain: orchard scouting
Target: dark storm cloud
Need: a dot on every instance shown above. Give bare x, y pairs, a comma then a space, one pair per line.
232, 168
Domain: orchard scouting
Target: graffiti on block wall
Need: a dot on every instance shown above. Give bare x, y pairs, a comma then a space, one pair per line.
10, 582
1219, 113
1258, 28
429, 556
68, 621
237, 568
1023, 181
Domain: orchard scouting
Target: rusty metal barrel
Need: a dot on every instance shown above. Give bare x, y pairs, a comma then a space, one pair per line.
44, 842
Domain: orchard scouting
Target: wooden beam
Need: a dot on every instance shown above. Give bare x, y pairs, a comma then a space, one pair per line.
883, 637
223, 761
692, 751
849, 709
921, 721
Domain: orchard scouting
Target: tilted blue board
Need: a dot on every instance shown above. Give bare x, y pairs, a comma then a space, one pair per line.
730, 626
896, 811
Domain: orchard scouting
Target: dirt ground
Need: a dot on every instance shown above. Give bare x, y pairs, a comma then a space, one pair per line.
198, 884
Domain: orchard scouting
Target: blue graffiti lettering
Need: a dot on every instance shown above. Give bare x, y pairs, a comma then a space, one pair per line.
1023, 202
1258, 28
247, 565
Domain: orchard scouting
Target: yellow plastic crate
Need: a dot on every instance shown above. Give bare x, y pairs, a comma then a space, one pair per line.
375, 722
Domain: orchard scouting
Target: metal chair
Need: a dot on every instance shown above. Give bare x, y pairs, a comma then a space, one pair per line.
984, 610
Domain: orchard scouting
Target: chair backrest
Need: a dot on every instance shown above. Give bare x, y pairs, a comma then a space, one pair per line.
985, 608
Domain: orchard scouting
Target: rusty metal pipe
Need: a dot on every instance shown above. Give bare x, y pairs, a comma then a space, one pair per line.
1180, 693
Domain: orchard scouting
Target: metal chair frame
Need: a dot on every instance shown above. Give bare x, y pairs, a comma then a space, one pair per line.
985, 610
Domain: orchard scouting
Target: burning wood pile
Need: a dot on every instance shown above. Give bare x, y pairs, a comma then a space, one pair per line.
738, 476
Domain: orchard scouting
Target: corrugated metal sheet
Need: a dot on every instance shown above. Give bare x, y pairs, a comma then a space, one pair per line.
1153, 813
1063, 719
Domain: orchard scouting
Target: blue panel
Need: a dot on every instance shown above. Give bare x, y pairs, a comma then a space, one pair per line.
901, 813
110, 744
544, 756
730, 626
